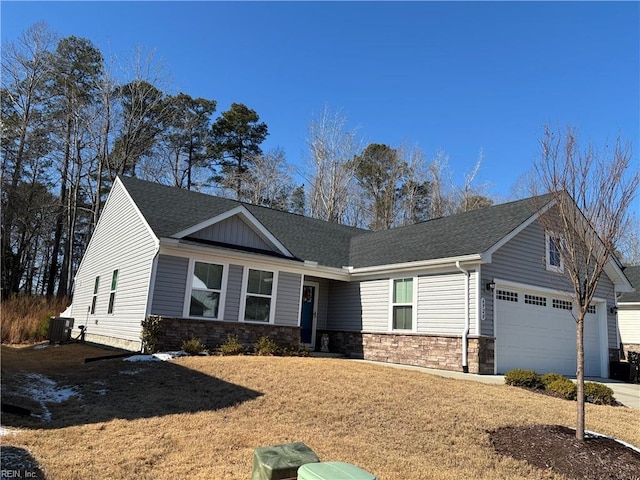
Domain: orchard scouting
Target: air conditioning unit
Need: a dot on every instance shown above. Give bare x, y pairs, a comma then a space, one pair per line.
60, 329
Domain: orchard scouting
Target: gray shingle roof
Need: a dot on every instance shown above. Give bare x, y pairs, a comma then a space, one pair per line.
467, 233
170, 210
633, 274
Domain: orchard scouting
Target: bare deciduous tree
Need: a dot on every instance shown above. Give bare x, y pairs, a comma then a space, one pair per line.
332, 147
591, 192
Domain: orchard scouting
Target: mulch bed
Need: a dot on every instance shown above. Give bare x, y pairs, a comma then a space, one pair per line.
553, 447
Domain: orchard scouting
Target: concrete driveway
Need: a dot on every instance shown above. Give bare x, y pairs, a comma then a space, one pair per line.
626, 393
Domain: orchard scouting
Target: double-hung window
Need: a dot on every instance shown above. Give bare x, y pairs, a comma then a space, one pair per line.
402, 304
112, 293
259, 294
206, 290
553, 257
94, 298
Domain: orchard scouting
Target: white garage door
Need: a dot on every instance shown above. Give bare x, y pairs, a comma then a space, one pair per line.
537, 331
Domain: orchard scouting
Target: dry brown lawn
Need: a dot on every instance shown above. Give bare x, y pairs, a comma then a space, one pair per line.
202, 417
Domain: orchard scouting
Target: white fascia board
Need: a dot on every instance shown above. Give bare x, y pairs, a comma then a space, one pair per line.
619, 279
629, 304
254, 223
408, 267
486, 256
176, 248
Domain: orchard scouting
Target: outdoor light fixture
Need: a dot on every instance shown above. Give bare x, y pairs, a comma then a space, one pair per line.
491, 286
613, 310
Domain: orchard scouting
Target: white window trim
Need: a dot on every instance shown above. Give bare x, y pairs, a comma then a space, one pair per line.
243, 297
414, 305
223, 288
547, 254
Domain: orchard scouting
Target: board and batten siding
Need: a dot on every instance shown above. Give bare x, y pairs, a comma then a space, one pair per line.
170, 286
288, 299
523, 260
441, 308
233, 231
121, 241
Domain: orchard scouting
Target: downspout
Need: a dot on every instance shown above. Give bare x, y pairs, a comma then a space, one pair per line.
465, 332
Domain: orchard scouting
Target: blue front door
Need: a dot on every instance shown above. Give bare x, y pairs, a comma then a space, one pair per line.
307, 316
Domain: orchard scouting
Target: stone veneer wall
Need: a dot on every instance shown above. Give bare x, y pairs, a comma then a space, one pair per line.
214, 333
431, 351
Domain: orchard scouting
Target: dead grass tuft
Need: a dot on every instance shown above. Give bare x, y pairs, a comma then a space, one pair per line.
25, 318
202, 417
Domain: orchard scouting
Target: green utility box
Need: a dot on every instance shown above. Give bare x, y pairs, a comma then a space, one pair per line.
332, 471
281, 462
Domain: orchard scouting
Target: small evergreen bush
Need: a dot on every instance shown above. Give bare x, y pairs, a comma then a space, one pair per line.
523, 378
564, 387
151, 328
231, 346
193, 346
547, 378
599, 394
266, 346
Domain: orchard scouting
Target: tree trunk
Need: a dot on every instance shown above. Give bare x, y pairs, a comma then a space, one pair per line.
580, 377
57, 239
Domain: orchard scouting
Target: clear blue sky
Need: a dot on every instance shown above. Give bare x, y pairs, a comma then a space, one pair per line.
456, 76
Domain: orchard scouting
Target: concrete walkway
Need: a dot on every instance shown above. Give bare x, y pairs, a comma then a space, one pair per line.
626, 393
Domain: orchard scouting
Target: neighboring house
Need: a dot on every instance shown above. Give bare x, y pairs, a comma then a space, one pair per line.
481, 291
629, 314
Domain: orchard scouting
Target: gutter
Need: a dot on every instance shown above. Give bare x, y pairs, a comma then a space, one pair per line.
407, 266
467, 319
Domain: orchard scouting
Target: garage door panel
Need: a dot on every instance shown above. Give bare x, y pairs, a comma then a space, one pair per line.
541, 337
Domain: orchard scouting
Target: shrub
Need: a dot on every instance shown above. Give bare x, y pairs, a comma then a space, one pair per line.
547, 378
564, 387
231, 346
151, 328
266, 346
193, 346
298, 350
523, 378
599, 394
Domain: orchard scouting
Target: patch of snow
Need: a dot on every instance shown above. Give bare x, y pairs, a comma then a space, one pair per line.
141, 358
162, 356
7, 431
44, 390
102, 392
41, 346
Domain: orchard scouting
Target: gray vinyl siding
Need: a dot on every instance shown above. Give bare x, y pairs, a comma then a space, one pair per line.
441, 309
323, 300
234, 292
375, 305
132, 255
288, 299
234, 231
523, 260
170, 286
345, 307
